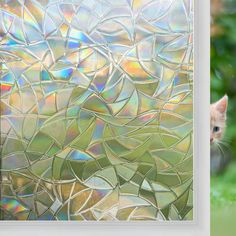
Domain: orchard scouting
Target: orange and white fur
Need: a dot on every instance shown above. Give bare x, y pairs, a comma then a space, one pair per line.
218, 119
218, 115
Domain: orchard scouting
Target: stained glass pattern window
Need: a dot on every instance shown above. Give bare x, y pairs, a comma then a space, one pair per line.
96, 110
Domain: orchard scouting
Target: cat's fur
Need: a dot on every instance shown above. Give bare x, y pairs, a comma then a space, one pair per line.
218, 119
218, 115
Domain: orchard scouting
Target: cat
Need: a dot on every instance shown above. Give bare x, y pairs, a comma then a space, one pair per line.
218, 117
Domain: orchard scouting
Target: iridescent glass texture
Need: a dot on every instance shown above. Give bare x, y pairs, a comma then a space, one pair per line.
96, 110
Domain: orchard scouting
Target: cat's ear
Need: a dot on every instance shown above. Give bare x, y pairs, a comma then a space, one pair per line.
222, 104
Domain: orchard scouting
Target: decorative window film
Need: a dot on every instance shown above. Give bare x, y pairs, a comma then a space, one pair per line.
96, 110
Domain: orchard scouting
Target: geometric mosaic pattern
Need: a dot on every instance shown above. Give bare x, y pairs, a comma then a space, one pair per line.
96, 110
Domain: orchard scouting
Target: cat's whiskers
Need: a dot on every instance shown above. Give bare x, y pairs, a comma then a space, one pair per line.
218, 144
225, 139
224, 143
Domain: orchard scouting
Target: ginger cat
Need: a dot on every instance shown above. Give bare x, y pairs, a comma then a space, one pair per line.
219, 157
218, 119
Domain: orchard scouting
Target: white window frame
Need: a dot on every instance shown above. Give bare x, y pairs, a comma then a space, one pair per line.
200, 226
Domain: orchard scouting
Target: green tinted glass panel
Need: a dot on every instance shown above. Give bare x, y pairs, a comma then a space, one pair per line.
96, 110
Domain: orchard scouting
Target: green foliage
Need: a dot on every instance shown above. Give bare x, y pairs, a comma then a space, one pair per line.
223, 189
223, 81
223, 203
223, 69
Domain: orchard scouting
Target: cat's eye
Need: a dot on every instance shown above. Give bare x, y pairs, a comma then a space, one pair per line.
216, 129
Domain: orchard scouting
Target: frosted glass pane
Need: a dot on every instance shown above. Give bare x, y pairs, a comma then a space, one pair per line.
96, 110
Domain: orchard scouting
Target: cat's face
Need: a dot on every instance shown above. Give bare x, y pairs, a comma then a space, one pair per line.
218, 119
